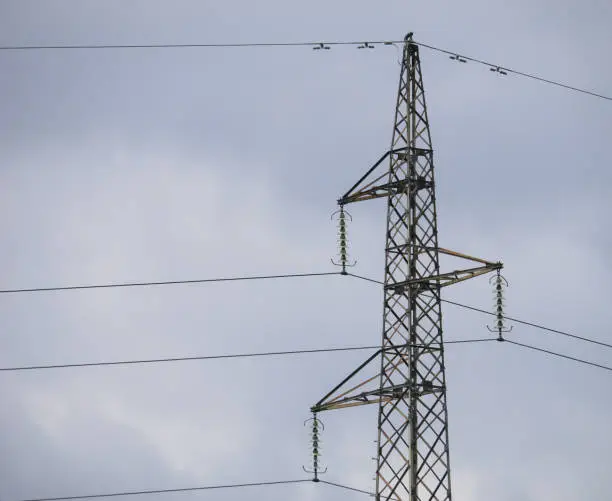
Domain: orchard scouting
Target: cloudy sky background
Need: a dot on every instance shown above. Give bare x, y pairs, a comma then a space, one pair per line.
160, 164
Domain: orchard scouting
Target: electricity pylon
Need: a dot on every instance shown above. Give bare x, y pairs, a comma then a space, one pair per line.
409, 385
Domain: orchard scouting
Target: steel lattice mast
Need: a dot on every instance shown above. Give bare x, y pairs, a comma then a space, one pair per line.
410, 387
413, 457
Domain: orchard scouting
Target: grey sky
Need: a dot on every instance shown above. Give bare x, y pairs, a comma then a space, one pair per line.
169, 164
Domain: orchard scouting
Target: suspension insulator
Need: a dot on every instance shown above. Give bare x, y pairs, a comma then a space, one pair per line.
316, 447
499, 282
342, 240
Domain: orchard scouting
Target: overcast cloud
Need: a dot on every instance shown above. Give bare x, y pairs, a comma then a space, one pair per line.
160, 164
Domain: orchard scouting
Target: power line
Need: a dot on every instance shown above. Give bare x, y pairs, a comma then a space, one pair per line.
213, 357
315, 45
500, 69
354, 489
374, 281
346, 487
168, 282
559, 355
179, 45
192, 489
165, 491
184, 359
512, 319
532, 324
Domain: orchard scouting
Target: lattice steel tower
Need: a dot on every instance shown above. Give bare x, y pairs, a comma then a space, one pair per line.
409, 384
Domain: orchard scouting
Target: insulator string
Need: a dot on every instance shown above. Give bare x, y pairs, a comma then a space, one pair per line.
499, 282
342, 240
316, 447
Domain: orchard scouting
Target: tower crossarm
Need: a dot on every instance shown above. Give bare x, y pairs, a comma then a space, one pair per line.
374, 185
349, 393
419, 249
439, 280
364, 398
